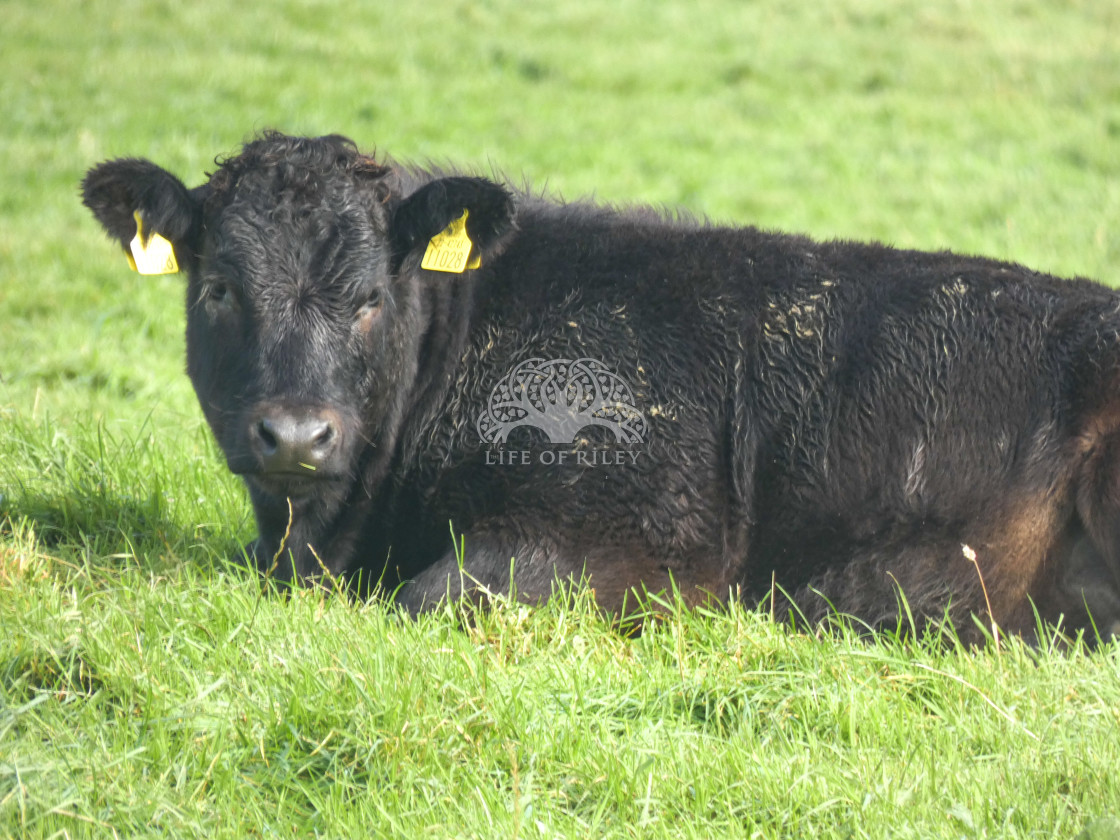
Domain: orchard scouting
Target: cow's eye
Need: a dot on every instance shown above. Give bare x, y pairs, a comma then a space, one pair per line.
372, 304
217, 296
367, 315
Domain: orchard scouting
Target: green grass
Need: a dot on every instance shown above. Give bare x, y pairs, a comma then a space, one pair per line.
146, 689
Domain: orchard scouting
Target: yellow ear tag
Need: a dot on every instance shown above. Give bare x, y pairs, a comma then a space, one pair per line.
157, 256
450, 249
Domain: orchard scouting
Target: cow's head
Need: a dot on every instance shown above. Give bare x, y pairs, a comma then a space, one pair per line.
307, 310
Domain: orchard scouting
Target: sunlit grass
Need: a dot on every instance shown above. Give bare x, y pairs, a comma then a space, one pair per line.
146, 686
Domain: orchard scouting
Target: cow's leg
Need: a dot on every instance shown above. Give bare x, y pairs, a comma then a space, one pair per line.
482, 567
617, 574
1085, 590
1098, 500
987, 569
1083, 593
922, 580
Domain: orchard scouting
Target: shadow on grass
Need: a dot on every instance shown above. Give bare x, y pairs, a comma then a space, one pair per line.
80, 495
61, 532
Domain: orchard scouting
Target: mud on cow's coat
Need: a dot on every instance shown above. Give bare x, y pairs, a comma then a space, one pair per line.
383, 350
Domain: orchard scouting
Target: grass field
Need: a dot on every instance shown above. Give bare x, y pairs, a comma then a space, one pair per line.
146, 689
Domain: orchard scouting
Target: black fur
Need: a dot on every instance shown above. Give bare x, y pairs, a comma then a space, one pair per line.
844, 420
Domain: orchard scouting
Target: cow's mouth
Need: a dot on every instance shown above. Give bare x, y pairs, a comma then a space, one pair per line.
295, 486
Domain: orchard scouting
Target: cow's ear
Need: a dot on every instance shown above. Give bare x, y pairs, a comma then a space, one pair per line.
117, 190
436, 205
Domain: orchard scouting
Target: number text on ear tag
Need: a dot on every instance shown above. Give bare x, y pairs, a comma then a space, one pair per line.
450, 249
156, 256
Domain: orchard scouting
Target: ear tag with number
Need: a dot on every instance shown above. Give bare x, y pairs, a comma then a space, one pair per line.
156, 256
450, 249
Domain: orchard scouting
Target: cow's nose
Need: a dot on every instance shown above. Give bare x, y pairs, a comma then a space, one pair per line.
300, 440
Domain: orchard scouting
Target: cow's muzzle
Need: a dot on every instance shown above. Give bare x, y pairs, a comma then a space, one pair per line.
296, 444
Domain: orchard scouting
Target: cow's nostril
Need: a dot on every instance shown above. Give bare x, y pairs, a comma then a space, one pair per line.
266, 435
324, 437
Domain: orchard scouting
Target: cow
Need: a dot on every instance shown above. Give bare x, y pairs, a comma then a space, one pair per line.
437, 384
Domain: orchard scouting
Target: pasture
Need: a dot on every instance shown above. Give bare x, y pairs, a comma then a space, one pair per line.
146, 687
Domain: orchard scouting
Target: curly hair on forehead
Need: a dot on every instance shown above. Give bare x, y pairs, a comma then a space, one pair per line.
298, 164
